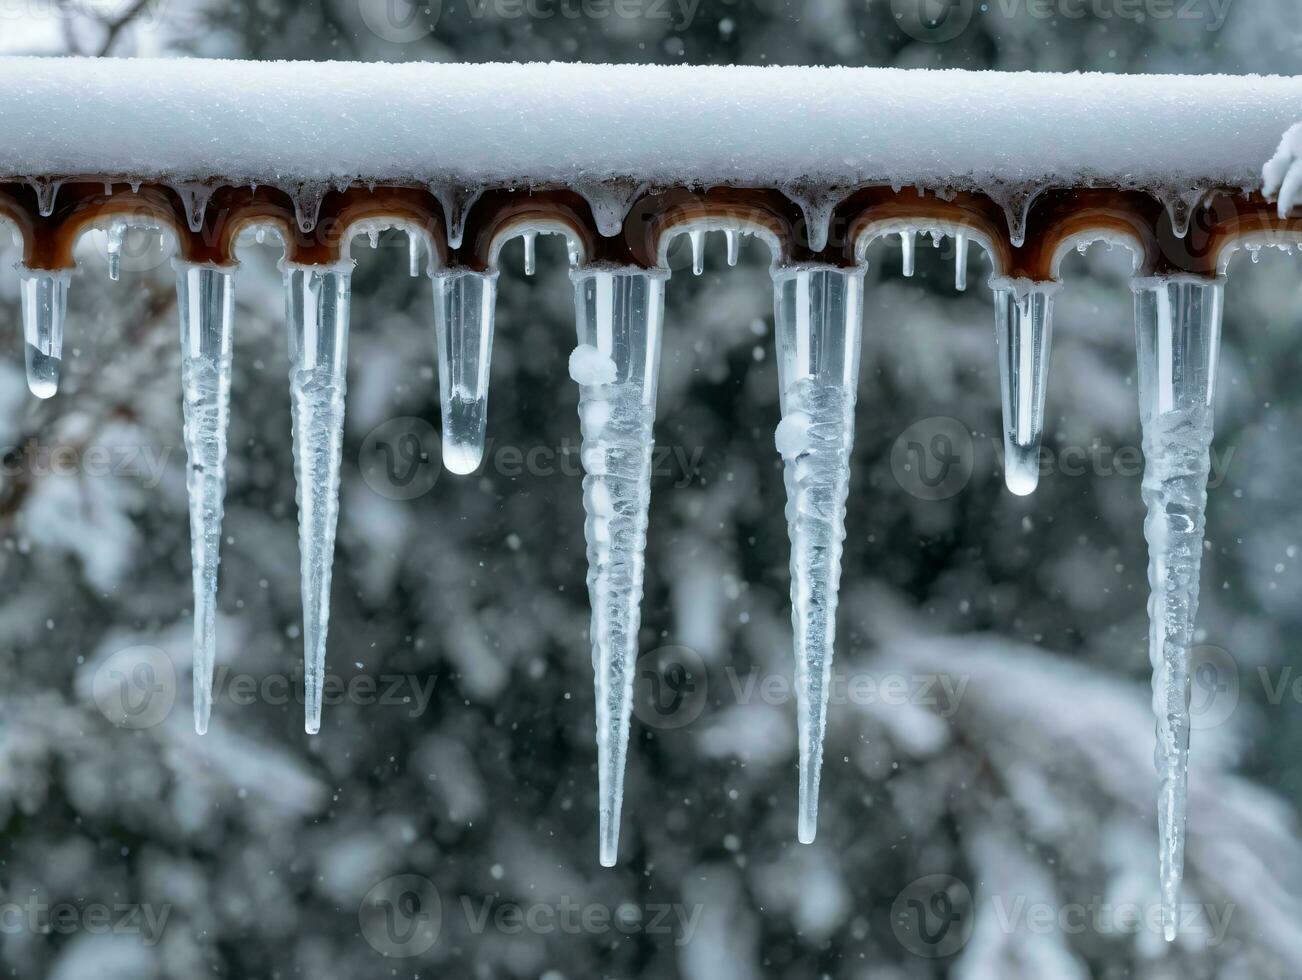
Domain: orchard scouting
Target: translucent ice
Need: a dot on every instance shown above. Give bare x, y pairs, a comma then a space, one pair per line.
818, 323
1024, 332
1178, 325
463, 322
204, 300
45, 307
619, 319
316, 308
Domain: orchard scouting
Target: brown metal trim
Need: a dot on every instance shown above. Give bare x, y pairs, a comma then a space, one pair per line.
1055, 217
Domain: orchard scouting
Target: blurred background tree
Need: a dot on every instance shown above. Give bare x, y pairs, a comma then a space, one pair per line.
1016, 765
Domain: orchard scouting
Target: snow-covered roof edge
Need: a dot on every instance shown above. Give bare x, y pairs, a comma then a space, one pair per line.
287, 122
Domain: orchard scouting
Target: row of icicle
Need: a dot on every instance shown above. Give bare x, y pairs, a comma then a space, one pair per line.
818, 312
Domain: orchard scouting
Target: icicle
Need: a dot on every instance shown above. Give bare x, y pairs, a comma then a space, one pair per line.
1016, 202
530, 252
316, 305
960, 262
307, 204
1178, 323
816, 205
456, 201
619, 320
1180, 207
610, 201
194, 199
936, 239
906, 246
204, 295
817, 313
117, 233
697, 239
415, 249
373, 238
572, 251
46, 192
260, 236
1024, 332
464, 304
45, 307
1082, 248
734, 245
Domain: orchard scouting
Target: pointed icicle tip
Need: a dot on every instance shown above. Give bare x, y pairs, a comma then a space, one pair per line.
204, 301
456, 200
817, 314
317, 306
619, 317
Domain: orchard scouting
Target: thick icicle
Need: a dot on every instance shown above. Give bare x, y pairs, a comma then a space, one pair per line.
415, 250
1024, 332
45, 307
464, 303
204, 300
1178, 323
316, 308
619, 317
906, 250
116, 233
960, 262
817, 313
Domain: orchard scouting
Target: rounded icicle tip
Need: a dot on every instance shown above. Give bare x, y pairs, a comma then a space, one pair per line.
462, 458
1021, 472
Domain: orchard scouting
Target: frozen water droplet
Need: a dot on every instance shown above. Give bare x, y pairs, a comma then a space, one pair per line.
316, 303
1255, 252
1082, 247
816, 203
936, 239
194, 200
817, 315
307, 204
734, 246
46, 193
619, 317
697, 239
610, 201
960, 262
530, 252
1016, 202
373, 237
1180, 206
906, 257
572, 250
204, 300
1178, 323
456, 201
1024, 331
464, 304
45, 306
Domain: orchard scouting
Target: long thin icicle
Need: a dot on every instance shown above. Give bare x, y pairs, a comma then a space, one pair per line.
1178, 325
619, 317
1024, 332
45, 307
316, 308
464, 303
204, 300
818, 314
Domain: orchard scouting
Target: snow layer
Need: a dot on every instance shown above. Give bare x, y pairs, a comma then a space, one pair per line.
281, 123
1282, 175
